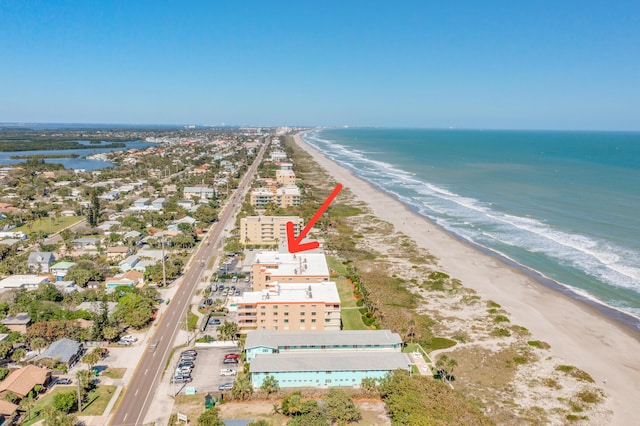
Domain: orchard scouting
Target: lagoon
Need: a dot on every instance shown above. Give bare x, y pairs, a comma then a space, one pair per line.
74, 163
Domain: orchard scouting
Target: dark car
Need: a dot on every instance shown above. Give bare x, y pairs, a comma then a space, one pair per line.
63, 381
181, 379
214, 321
189, 364
191, 352
230, 361
226, 386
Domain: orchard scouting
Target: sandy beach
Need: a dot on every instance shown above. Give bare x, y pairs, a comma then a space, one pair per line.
578, 334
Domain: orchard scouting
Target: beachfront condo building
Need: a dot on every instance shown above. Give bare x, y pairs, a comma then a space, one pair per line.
262, 230
287, 268
294, 307
284, 197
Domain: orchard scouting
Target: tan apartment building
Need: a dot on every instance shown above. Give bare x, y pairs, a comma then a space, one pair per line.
290, 307
285, 177
287, 268
284, 197
260, 230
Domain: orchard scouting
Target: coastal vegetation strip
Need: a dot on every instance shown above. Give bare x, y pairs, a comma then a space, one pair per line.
42, 156
49, 145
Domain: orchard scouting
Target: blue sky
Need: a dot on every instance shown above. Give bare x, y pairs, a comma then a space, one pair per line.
497, 64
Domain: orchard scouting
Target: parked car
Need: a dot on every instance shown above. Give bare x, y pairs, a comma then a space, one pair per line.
183, 371
237, 292
130, 338
189, 364
226, 386
230, 361
214, 321
234, 356
62, 381
227, 372
124, 342
181, 379
189, 352
187, 357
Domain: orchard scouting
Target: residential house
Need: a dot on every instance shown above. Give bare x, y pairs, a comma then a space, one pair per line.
23, 380
40, 261
202, 192
294, 307
60, 269
285, 177
129, 279
186, 204
158, 203
86, 243
29, 282
118, 252
18, 322
140, 204
63, 351
8, 412
129, 263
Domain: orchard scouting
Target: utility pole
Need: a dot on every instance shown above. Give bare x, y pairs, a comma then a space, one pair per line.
164, 269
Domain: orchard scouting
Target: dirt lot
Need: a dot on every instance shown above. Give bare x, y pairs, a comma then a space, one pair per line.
373, 412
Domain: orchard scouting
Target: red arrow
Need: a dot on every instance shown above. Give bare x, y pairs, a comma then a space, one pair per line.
294, 243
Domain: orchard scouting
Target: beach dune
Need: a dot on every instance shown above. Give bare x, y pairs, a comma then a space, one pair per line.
578, 333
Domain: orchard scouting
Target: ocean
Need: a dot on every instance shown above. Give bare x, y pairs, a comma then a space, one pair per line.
565, 205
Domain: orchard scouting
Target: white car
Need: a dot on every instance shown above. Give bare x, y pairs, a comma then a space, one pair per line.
129, 338
227, 372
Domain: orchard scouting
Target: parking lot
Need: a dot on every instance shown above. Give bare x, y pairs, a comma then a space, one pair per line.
206, 374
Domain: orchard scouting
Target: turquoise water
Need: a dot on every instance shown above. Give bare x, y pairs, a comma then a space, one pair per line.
564, 204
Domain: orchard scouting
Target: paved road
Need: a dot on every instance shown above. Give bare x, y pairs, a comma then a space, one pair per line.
141, 389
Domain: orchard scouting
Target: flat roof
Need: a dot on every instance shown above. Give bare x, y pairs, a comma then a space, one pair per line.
324, 292
279, 339
294, 264
271, 219
329, 361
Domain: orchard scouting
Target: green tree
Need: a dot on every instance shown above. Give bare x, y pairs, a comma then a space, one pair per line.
340, 407
38, 343
228, 330
134, 310
4, 372
54, 417
292, 404
211, 417
242, 388
110, 332
5, 348
18, 354
91, 359
270, 385
65, 401
27, 404
11, 397
206, 214
93, 212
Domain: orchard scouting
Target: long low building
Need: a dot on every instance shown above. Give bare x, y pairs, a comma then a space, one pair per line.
261, 230
261, 342
330, 369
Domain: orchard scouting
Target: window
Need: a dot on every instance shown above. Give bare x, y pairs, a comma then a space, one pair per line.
313, 313
286, 321
313, 320
275, 306
286, 314
263, 307
301, 314
302, 320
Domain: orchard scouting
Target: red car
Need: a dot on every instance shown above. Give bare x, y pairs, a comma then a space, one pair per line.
231, 356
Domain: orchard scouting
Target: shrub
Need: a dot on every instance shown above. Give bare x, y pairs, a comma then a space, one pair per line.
501, 332
500, 318
539, 344
575, 372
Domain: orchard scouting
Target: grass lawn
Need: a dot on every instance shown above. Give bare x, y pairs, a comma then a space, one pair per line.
114, 373
49, 225
345, 291
336, 265
352, 319
94, 406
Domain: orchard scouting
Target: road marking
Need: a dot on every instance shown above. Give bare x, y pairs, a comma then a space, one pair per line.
125, 417
137, 390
